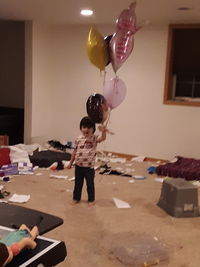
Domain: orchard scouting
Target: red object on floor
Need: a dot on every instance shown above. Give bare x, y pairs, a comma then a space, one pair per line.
4, 156
53, 166
187, 168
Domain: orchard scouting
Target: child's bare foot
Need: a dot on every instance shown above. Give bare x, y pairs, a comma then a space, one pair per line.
74, 202
90, 204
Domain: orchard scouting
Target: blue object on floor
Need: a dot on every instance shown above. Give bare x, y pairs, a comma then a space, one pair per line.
151, 169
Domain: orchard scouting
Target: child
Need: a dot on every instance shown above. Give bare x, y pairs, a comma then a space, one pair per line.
13, 243
84, 156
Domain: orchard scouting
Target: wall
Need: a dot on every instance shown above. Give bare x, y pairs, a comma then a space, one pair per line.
12, 64
63, 79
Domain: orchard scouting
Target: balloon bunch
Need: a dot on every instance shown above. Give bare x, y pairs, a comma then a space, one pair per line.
114, 49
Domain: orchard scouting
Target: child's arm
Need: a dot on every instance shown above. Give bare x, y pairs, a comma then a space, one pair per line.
102, 137
72, 157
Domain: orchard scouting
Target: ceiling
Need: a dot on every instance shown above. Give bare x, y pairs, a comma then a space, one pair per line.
105, 11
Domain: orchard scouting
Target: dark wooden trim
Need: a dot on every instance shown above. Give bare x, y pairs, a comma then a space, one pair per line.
182, 103
167, 98
185, 26
129, 156
168, 71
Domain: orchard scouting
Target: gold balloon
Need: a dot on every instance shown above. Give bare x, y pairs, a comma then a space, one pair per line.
96, 49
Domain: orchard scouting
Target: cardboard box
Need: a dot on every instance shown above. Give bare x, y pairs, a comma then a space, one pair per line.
4, 140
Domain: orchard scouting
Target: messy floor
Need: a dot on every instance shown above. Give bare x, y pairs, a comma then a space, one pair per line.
141, 234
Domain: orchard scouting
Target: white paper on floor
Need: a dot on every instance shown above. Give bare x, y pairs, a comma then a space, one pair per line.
97, 167
131, 181
35, 168
129, 164
58, 176
197, 183
19, 198
117, 160
138, 159
71, 179
120, 204
160, 180
139, 177
39, 173
1, 187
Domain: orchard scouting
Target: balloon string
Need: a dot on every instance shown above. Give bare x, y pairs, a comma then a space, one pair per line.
106, 123
107, 120
104, 77
103, 73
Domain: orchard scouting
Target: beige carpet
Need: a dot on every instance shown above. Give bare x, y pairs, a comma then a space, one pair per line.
105, 236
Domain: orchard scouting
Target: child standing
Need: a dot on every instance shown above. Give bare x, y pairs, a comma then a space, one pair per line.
84, 156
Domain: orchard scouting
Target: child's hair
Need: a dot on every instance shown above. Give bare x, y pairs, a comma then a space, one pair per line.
3, 253
87, 123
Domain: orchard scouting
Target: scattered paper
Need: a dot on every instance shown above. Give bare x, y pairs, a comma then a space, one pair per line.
35, 168
197, 183
120, 204
3, 201
71, 179
129, 164
157, 179
58, 176
97, 167
19, 198
155, 238
117, 160
65, 163
174, 160
139, 177
131, 181
138, 159
1, 187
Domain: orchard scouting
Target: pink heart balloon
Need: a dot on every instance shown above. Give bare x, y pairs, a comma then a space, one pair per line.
121, 47
127, 19
122, 42
114, 92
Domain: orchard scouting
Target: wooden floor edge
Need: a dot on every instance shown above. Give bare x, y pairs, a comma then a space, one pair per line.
129, 156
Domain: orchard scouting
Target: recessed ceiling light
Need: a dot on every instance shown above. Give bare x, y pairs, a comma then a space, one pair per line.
183, 8
86, 12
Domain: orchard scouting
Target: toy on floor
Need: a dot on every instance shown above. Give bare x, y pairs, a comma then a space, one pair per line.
13, 243
151, 264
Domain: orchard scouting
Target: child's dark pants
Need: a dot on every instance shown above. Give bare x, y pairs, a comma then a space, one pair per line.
81, 173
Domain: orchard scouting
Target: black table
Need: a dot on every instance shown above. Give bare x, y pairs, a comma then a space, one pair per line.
13, 216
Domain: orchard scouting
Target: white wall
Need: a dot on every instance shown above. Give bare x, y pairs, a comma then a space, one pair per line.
63, 78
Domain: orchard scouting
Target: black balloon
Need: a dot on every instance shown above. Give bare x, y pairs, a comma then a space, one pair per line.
95, 108
107, 41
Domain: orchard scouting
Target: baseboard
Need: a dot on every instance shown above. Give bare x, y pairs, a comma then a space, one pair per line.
129, 156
